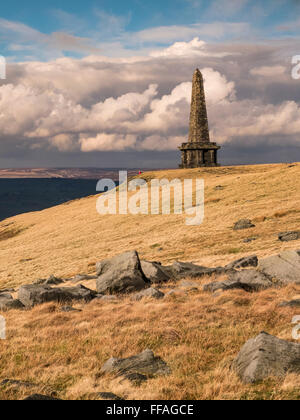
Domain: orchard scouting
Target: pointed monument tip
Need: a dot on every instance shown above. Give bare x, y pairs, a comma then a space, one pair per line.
198, 73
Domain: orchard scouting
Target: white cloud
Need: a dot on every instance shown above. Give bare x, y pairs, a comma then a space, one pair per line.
102, 104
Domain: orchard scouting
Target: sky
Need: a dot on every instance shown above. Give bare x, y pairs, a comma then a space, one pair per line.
108, 83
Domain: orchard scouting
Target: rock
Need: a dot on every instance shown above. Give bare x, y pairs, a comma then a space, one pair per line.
148, 293
144, 364
219, 188
175, 292
283, 268
267, 356
222, 286
249, 240
108, 396
121, 274
69, 309
248, 280
243, 224
182, 270
291, 304
155, 272
251, 280
51, 281
39, 397
251, 261
31, 295
289, 236
7, 302
16, 383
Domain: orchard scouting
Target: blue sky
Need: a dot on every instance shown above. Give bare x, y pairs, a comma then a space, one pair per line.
29, 30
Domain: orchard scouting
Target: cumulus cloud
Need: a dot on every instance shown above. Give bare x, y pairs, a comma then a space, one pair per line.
99, 104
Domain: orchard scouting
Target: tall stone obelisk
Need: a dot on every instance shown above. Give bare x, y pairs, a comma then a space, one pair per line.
199, 151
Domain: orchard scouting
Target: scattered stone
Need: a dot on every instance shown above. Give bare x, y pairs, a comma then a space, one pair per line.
31, 295
148, 293
181, 270
251, 280
108, 396
291, 304
7, 302
155, 272
289, 236
121, 274
283, 268
249, 240
251, 261
144, 364
248, 280
16, 383
39, 397
267, 356
222, 286
243, 224
69, 309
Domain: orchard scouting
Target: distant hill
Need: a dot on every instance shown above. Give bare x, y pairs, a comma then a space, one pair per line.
74, 173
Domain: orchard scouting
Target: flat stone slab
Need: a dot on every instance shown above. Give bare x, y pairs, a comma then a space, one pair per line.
285, 267
148, 293
121, 274
31, 294
243, 224
248, 280
289, 236
143, 364
266, 356
185, 269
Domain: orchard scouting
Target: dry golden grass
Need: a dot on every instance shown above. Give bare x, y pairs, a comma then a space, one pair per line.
69, 239
197, 334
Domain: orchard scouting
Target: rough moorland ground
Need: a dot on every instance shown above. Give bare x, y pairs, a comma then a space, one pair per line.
196, 333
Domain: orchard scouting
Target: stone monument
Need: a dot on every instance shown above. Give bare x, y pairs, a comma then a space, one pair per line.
199, 151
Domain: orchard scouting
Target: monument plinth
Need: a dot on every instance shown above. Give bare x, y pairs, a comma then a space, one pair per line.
199, 151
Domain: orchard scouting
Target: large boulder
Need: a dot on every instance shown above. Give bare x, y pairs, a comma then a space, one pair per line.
143, 364
283, 268
148, 293
32, 294
121, 274
266, 356
7, 302
155, 272
243, 224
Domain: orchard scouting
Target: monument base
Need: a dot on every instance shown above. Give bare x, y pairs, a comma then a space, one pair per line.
199, 155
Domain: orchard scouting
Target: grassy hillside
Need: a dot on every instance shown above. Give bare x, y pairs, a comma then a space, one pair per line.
198, 334
69, 239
